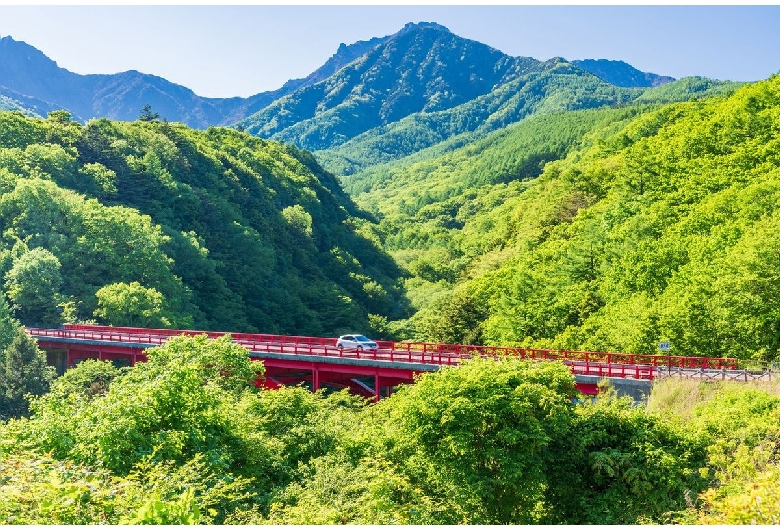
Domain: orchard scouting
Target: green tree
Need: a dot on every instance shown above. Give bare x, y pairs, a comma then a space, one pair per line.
8, 324
617, 464
122, 304
89, 379
41, 490
23, 371
147, 114
369, 491
33, 285
756, 502
60, 116
299, 219
23, 368
103, 179
460, 321
477, 435
174, 406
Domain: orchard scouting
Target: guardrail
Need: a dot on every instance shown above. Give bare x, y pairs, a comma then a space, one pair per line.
702, 374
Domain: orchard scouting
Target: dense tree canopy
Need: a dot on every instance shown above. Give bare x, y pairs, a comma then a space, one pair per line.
23, 368
187, 438
546, 232
219, 230
646, 224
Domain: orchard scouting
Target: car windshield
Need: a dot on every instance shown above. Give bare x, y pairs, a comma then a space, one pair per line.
361, 338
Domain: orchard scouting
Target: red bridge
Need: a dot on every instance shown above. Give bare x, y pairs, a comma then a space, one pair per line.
317, 361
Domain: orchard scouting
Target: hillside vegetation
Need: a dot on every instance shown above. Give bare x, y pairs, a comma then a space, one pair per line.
425, 85
154, 224
185, 438
422, 68
660, 225
622, 74
557, 87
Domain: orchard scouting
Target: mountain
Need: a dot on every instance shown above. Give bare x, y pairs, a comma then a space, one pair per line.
554, 86
343, 56
237, 109
424, 85
30, 77
421, 68
36, 83
562, 87
605, 229
622, 74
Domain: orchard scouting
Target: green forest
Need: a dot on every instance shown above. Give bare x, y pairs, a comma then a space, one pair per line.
186, 438
605, 230
153, 224
610, 222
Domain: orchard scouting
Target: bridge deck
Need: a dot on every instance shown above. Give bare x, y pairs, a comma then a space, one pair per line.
392, 361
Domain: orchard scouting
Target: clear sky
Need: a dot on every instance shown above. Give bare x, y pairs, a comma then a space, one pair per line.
241, 50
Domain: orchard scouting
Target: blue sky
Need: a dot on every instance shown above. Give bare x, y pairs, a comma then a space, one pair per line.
240, 50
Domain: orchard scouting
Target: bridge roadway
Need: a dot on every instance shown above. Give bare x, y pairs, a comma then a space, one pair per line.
317, 362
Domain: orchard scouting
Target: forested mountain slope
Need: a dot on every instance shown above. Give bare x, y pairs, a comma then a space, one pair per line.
515, 152
619, 73
7, 103
156, 224
423, 68
662, 226
560, 87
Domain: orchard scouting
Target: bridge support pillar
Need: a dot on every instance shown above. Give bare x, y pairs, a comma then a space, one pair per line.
638, 389
58, 358
315, 379
377, 388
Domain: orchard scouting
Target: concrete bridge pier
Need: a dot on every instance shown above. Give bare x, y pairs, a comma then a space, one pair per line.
638, 389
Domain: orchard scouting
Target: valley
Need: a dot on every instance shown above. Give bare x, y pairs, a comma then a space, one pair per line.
418, 187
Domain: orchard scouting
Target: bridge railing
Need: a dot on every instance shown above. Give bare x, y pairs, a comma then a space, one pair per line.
606, 364
159, 336
573, 355
101, 335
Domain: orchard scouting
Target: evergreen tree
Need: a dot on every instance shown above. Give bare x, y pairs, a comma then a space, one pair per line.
147, 114
23, 368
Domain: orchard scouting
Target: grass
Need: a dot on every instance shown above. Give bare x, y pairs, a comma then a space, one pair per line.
679, 397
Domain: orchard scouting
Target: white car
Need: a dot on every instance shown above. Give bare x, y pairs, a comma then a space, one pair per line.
356, 342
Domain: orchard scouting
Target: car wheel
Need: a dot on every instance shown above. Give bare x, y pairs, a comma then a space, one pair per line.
360, 348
